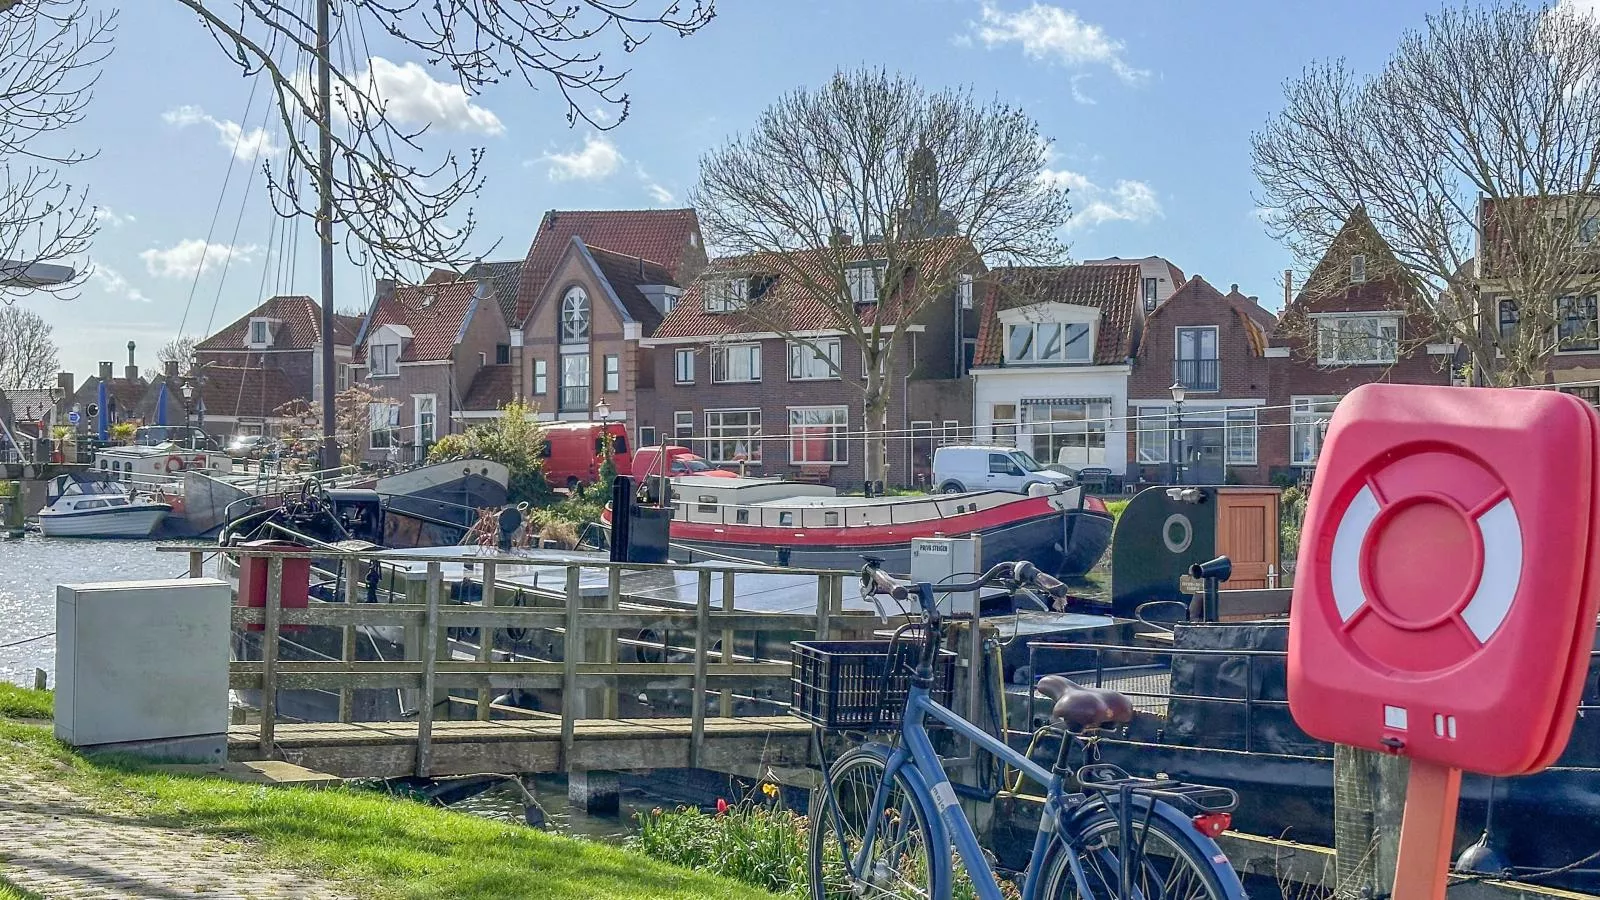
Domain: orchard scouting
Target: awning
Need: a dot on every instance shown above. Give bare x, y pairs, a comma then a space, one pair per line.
1062, 401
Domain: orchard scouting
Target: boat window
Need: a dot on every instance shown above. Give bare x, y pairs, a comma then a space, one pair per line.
91, 504
786, 519
830, 518
117, 501
104, 465
741, 516
708, 503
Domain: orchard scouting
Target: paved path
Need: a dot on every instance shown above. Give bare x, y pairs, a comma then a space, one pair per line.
60, 844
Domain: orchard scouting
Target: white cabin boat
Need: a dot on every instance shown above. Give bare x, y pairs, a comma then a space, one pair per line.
83, 508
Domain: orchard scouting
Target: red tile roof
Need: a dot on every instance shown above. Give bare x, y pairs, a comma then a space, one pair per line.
434, 311
659, 235
792, 296
625, 273
490, 389
301, 327
1114, 289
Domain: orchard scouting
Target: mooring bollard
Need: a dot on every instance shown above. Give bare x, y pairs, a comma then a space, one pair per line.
41, 679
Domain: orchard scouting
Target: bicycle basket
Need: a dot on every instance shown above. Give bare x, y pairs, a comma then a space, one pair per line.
837, 684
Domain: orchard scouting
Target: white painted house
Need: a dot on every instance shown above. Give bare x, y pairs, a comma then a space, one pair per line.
1054, 354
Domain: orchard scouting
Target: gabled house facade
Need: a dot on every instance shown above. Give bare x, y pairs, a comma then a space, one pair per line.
419, 351
245, 373
1214, 346
789, 402
1350, 325
1055, 349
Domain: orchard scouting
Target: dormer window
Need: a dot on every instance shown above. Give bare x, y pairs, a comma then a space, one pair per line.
726, 295
1049, 342
863, 281
1358, 268
260, 334
575, 316
383, 359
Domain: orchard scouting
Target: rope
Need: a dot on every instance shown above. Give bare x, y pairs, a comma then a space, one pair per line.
37, 637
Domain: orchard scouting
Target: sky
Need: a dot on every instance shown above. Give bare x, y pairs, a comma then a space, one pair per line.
1150, 104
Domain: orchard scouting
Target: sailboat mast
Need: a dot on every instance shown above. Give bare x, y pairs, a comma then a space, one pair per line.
330, 443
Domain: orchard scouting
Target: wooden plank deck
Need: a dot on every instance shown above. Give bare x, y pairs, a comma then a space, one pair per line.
389, 749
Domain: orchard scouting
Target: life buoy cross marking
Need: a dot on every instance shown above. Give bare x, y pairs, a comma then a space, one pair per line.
1490, 546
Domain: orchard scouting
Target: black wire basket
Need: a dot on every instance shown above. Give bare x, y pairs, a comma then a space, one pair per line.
854, 685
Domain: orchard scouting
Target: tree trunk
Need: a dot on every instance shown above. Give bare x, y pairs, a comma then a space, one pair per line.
875, 421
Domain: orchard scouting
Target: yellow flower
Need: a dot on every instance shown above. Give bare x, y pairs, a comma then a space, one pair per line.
770, 789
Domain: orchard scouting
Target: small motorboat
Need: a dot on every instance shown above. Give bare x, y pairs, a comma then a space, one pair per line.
83, 507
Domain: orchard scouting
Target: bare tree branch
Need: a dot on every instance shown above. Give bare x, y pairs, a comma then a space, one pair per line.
933, 184
29, 357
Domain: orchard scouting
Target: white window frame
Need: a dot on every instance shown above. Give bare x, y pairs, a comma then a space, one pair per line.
726, 295
575, 299
1358, 268
721, 436
264, 326
1588, 231
1154, 428
835, 436
541, 377
1240, 421
611, 373
949, 432
863, 281
426, 434
567, 381
1380, 319
966, 290
806, 364
683, 427
1593, 342
383, 359
1005, 429
1308, 412
388, 428
683, 366
1060, 329
723, 357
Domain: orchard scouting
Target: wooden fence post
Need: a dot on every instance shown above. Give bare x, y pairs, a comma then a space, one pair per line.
269, 654
486, 642
430, 660
197, 564
348, 645
702, 637
726, 708
824, 605
572, 650
613, 603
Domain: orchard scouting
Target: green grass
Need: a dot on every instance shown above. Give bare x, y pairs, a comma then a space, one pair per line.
24, 703
9, 891
385, 847
1115, 507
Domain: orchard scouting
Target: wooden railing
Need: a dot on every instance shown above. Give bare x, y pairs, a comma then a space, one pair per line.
587, 629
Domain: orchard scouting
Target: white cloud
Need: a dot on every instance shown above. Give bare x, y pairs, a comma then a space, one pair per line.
111, 217
245, 145
658, 193
185, 258
1589, 8
1124, 201
411, 96
598, 159
1078, 94
1052, 33
112, 282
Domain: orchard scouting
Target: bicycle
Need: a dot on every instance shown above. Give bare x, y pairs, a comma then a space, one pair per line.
889, 816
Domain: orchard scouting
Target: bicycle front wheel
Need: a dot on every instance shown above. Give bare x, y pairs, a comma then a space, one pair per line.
897, 864
1167, 863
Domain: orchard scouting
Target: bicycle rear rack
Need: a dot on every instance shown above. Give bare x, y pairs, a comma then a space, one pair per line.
1190, 799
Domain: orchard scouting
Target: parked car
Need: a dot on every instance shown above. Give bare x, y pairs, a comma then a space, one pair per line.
681, 461
958, 469
573, 452
185, 436
253, 446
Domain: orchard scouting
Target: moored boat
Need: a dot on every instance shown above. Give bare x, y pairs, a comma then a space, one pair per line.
809, 526
91, 508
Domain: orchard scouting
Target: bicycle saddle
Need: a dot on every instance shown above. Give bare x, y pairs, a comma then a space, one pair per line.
1083, 707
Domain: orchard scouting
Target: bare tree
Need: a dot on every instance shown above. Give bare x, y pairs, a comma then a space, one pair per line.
933, 183
29, 357
1474, 155
50, 55
397, 207
179, 350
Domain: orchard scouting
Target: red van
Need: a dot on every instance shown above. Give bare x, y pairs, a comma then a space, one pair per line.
647, 461
573, 452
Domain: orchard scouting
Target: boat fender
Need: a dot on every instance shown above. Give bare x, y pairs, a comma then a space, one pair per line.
174, 464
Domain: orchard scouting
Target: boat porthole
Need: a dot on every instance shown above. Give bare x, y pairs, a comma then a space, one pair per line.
1177, 533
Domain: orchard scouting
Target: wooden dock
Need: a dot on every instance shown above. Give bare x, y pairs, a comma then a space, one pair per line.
389, 749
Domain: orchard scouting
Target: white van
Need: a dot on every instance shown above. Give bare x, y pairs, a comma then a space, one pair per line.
958, 469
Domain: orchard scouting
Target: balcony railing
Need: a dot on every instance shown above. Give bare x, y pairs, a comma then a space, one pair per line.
575, 398
1197, 374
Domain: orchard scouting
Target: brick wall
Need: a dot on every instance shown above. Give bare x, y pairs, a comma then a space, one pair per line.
606, 338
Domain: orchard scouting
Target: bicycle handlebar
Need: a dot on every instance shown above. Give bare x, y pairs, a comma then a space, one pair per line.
1013, 575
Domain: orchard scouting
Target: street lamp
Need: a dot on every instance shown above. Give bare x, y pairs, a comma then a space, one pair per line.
1177, 456
602, 411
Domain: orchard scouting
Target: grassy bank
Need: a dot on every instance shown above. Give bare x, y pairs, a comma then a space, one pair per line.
24, 703
382, 847
9, 891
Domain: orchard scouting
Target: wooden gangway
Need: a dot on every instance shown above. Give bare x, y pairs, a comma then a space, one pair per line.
451, 732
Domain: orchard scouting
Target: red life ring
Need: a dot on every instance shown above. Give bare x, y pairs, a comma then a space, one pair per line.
174, 464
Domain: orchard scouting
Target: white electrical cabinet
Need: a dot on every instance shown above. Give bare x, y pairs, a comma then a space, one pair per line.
942, 560
142, 661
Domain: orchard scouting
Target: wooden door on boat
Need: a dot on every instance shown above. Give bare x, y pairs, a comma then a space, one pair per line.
1247, 533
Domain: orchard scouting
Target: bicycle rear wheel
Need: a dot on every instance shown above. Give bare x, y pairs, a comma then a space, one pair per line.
898, 864
1167, 864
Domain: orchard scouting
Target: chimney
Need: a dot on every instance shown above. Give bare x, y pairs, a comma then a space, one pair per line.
105, 370
1288, 287
171, 370
132, 372
840, 238
385, 289
1233, 288
64, 382
517, 390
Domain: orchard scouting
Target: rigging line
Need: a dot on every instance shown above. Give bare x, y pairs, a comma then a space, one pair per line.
267, 260
233, 241
233, 158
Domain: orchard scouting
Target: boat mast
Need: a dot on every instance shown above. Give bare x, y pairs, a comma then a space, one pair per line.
330, 444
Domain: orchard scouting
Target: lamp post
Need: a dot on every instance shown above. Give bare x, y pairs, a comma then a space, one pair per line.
602, 412
1177, 455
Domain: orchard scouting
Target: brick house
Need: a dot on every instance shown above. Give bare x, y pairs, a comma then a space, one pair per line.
1158, 277
266, 358
420, 350
634, 261
1344, 329
737, 392
1215, 345
583, 331
1054, 353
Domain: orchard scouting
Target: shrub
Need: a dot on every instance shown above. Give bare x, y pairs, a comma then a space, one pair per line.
754, 844
513, 440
